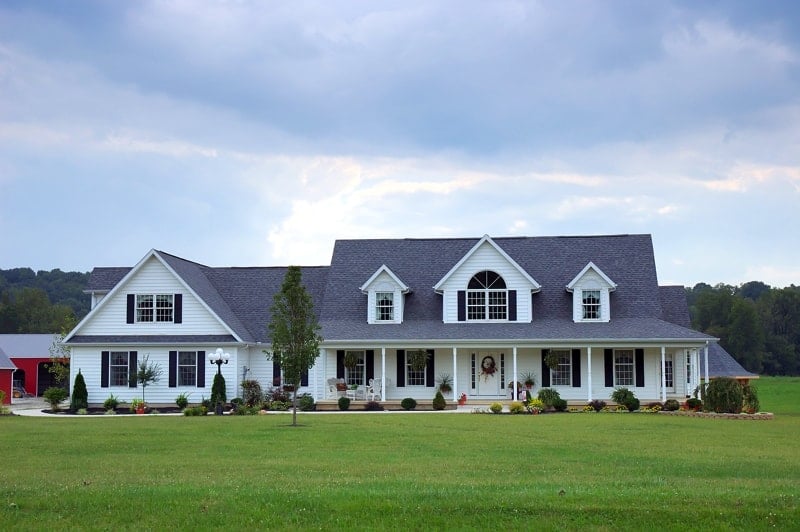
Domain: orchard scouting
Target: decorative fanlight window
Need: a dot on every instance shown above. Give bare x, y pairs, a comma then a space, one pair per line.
487, 297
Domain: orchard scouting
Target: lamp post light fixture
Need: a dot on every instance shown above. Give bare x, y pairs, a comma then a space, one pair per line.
219, 357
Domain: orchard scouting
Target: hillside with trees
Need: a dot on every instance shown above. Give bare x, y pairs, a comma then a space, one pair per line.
41, 302
757, 324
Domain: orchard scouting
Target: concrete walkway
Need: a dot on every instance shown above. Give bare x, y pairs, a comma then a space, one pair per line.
29, 406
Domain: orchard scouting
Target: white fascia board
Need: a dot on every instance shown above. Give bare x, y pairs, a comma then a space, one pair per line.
486, 238
591, 266
403, 286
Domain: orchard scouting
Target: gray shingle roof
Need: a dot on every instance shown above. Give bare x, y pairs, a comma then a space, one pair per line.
674, 305
105, 278
722, 364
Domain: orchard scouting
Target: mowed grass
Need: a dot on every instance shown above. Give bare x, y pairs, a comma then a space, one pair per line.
405, 471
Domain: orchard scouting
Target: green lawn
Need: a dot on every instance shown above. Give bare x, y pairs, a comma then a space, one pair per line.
405, 471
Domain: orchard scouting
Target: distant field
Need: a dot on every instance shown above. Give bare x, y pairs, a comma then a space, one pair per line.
397, 470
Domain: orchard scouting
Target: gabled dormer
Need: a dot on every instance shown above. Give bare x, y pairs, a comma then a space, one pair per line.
385, 296
486, 285
591, 295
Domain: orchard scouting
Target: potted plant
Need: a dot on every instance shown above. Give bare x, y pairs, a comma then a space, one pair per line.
551, 360
137, 405
417, 359
445, 382
529, 379
350, 360
462, 399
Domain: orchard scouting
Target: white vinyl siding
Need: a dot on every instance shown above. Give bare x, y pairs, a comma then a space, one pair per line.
152, 278
591, 284
384, 284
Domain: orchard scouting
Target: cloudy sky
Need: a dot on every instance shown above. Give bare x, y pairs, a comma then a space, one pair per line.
256, 133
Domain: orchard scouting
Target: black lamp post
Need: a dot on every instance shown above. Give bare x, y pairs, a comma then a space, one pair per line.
219, 357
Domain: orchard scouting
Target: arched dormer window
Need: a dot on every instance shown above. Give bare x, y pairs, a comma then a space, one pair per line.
487, 297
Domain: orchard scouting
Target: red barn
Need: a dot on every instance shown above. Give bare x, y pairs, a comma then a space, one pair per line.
30, 354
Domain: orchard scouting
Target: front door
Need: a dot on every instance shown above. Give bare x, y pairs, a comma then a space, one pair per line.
487, 374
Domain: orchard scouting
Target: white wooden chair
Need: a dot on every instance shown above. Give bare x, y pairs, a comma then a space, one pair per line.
374, 390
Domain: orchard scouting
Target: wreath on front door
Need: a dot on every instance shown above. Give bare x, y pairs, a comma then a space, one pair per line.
488, 367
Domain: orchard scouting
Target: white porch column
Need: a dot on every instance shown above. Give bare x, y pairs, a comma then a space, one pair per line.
514, 396
383, 374
664, 373
696, 370
589, 372
705, 355
455, 376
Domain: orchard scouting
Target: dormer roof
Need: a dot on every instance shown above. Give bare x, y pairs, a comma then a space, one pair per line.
385, 269
591, 266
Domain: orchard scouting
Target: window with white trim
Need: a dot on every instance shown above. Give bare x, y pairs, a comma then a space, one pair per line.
623, 367
154, 307
591, 304
356, 375
561, 375
187, 368
384, 306
118, 368
669, 373
415, 377
487, 297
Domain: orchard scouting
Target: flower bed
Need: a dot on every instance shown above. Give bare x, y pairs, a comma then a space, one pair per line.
689, 413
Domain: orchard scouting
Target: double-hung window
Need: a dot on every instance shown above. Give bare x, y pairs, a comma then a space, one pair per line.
118, 368
414, 377
154, 307
623, 367
187, 368
355, 375
591, 304
561, 375
487, 297
384, 306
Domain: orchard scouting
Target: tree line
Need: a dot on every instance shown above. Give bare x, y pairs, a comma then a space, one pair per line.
757, 324
41, 302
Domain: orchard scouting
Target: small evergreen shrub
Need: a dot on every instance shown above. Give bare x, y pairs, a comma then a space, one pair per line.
218, 393
693, 403
80, 397
344, 403
516, 408
724, 395
560, 405
373, 406
409, 403
597, 404
548, 396
182, 401
306, 403
54, 395
496, 407
438, 401
671, 405
252, 393
750, 403
111, 403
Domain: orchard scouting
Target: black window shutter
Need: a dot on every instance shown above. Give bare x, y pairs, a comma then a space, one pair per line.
104, 362
462, 305
512, 305
401, 368
609, 367
545, 369
576, 368
201, 369
639, 363
304, 379
276, 373
173, 369
131, 308
132, 367
340, 363
370, 362
429, 370
178, 311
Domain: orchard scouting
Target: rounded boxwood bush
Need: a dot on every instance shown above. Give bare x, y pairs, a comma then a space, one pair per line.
409, 403
724, 395
438, 401
560, 405
496, 407
516, 408
344, 403
306, 403
671, 405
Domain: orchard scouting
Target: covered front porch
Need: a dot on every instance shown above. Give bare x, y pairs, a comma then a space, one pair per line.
487, 372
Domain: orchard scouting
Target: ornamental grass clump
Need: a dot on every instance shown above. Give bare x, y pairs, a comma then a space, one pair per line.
549, 397
625, 397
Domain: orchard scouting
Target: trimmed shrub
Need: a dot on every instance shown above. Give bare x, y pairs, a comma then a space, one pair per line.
54, 395
693, 403
195, 411
750, 403
252, 393
409, 403
724, 395
548, 396
597, 404
80, 397
344, 403
373, 406
306, 403
218, 393
438, 401
111, 403
671, 405
560, 405
516, 408
496, 407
